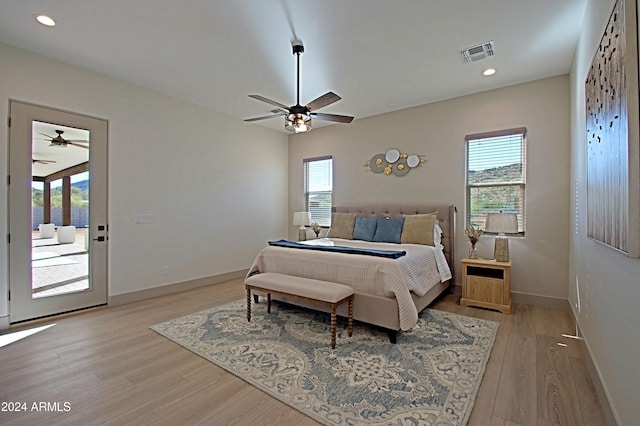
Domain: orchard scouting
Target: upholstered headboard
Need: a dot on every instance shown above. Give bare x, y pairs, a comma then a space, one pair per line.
446, 217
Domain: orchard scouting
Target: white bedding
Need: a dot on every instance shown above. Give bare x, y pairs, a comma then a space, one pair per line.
418, 271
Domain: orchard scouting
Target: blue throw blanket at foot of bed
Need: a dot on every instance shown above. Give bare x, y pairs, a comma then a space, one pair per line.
391, 254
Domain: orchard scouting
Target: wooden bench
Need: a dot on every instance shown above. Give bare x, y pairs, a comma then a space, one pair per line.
309, 290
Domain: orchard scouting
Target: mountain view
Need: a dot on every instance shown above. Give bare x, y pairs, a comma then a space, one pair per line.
504, 198
504, 174
79, 195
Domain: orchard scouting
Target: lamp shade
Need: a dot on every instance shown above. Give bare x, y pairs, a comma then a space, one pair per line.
301, 218
505, 223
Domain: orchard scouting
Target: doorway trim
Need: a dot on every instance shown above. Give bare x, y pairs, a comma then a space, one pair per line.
22, 306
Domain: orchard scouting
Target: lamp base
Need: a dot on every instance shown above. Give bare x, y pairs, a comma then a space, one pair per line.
501, 249
302, 234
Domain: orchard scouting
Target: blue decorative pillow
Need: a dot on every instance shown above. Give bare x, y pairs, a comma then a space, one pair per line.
365, 228
388, 230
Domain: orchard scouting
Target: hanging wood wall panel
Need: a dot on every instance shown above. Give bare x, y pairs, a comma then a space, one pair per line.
613, 154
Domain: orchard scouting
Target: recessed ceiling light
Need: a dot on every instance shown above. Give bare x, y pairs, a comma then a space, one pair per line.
46, 20
489, 71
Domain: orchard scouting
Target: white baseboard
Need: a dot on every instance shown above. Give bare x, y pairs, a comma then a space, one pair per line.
532, 299
542, 301
136, 296
594, 373
4, 323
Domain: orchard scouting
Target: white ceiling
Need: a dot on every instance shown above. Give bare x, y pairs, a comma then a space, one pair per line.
378, 55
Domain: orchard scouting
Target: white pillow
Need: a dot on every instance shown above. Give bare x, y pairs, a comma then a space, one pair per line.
437, 234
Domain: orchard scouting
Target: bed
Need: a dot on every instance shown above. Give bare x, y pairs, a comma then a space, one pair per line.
389, 293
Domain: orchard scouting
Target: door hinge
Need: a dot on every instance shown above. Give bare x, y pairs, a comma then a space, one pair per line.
8, 238
8, 121
9, 295
8, 179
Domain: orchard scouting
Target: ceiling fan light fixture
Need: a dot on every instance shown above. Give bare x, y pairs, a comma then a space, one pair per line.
297, 123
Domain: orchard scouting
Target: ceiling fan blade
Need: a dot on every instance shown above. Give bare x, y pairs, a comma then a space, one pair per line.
332, 117
263, 117
269, 101
78, 145
78, 141
324, 100
50, 137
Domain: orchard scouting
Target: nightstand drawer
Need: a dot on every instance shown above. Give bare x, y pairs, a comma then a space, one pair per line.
485, 289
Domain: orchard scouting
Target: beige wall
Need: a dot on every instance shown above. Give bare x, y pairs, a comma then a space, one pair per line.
604, 285
216, 184
437, 130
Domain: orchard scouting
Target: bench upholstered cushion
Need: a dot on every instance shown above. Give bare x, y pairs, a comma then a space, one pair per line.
304, 287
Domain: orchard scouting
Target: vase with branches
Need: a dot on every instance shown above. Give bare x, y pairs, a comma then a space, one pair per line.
315, 227
473, 234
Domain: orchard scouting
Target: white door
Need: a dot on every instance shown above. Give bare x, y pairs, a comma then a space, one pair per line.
63, 267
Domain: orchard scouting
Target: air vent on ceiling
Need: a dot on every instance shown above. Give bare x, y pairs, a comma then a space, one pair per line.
476, 53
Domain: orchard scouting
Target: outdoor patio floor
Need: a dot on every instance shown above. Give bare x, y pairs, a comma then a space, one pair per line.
59, 268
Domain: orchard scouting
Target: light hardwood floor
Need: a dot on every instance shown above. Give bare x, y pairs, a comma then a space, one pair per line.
112, 369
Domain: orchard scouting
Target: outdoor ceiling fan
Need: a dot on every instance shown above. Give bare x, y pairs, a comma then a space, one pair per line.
60, 142
297, 118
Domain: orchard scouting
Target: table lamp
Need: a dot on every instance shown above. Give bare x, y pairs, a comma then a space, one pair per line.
302, 219
501, 223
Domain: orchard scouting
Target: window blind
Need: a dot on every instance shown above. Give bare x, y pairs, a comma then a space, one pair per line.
318, 188
496, 175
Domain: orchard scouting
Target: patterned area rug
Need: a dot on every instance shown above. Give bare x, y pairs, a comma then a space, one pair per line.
430, 376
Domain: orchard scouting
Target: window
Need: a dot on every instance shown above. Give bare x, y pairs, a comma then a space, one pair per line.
496, 173
318, 187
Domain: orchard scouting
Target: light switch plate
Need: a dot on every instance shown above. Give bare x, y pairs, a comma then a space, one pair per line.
146, 218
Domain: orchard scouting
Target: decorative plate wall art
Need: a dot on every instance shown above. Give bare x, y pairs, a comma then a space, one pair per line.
393, 162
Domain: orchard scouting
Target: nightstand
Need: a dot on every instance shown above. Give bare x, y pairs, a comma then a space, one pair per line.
487, 284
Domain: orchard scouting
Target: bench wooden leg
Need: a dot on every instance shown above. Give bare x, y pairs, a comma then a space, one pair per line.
350, 320
333, 305
248, 303
333, 326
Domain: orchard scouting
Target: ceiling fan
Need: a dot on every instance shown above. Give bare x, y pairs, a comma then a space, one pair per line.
297, 118
60, 142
